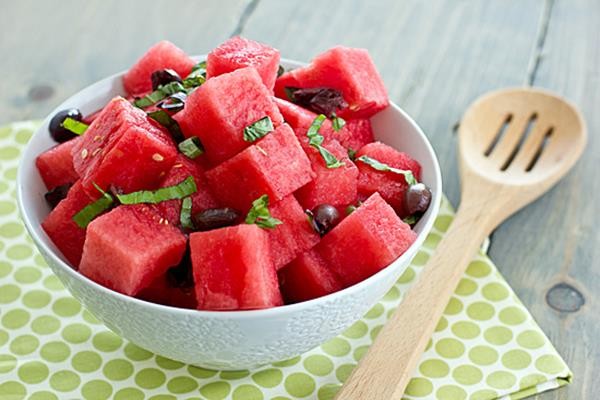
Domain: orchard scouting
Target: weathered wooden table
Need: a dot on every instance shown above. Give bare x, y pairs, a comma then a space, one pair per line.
436, 57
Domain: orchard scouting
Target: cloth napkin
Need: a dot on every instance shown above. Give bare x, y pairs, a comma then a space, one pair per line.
486, 346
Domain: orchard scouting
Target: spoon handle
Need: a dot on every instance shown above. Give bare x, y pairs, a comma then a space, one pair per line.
385, 370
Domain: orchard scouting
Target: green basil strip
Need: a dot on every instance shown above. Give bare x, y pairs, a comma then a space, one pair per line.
316, 139
191, 147
185, 217
165, 119
92, 210
74, 126
258, 129
159, 94
179, 191
379, 166
338, 123
260, 215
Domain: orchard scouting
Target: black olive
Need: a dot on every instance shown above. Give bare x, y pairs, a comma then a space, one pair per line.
323, 218
181, 275
214, 218
54, 196
417, 198
320, 100
57, 131
164, 76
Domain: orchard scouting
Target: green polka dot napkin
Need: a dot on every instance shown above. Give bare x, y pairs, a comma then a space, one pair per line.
486, 346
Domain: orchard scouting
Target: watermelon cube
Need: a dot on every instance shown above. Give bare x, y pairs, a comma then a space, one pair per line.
56, 165
300, 119
218, 111
201, 200
130, 247
61, 228
355, 134
275, 166
348, 70
366, 241
391, 186
124, 149
162, 55
238, 52
306, 278
335, 186
294, 236
233, 269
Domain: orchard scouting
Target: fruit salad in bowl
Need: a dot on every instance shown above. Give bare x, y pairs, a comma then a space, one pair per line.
234, 209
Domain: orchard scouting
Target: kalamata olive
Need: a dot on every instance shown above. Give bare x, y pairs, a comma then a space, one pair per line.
320, 100
214, 218
164, 76
323, 218
417, 198
54, 196
57, 131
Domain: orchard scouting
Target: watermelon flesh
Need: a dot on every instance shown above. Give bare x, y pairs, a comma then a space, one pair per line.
294, 236
233, 269
56, 165
238, 52
219, 110
366, 241
391, 186
129, 248
124, 149
61, 228
162, 55
355, 134
307, 277
276, 166
201, 200
348, 70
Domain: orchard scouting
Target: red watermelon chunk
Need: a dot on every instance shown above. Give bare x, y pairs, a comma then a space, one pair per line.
162, 55
300, 119
238, 52
294, 236
306, 278
130, 247
61, 228
355, 134
201, 200
275, 166
391, 186
218, 111
233, 269
56, 165
335, 186
348, 70
366, 241
124, 149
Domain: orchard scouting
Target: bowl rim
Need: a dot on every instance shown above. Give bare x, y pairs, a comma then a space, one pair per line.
238, 314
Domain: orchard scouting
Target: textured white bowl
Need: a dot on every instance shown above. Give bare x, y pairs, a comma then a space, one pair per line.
224, 340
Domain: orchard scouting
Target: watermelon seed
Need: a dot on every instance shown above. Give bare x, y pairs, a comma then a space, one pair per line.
84, 153
98, 150
261, 150
157, 157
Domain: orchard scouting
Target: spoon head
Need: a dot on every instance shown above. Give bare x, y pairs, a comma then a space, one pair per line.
520, 137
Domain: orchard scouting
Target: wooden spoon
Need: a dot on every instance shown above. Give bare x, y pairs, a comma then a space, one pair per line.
514, 145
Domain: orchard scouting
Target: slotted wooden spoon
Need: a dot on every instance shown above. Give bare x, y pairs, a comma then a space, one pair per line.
514, 145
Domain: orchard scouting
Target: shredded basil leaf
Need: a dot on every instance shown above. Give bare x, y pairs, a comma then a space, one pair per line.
280, 71
411, 220
72, 125
259, 214
179, 191
289, 92
316, 139
92, 210
258, 129
338, 123
352, 154
196, 77
185, 217
159, 94
350, 209
191, 147
379, 166
165, 119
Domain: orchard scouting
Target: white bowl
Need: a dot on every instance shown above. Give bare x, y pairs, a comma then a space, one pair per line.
224, 340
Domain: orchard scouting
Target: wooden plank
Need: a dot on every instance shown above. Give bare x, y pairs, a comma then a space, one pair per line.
550, 251
435, 57
52, 49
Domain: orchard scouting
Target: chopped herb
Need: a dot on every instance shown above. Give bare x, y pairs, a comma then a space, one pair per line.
159, 94
280, 71
315, 140
185, 217
338, 123
320, 100
352, 154
259, 214
258, 129
411, 220
289, 92
350, 209
165, 119
72, 125
191, 147
196, 77
179, 191
379, 166
92, 210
